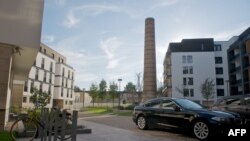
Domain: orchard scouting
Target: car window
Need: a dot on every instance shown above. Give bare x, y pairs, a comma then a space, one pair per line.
247, 101
168, 104
153, 104
233, 101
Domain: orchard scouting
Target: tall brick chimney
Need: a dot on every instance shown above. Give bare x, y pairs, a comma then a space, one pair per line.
149, 75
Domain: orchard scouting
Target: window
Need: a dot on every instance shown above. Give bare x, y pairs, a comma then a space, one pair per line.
191, 92
220, 92
49, 91
219, 81
185, 70
168, 104
45, 76
36, 75
66, 102
50, 78
153, 104
188, 70
190, 81
189, 59
184, 81
184, 59
72, 75
31, 86
42, 65
68, 73
41, 87
247, 101
53, 55
217, 47
62, 92
188, 92
40, 49
24, 99
218, 60
44, 50
59, 59
63, 72
219, 70
62, 82
26, 86
34, 63
51, 66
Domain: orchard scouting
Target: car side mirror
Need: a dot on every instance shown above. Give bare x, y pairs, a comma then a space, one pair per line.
176, 108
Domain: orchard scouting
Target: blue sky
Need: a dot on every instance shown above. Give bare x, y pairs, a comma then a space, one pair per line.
104, 39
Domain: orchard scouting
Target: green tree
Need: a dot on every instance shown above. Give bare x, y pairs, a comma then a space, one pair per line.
93, 92
207, 89
39, 99
102, 90
77, 89
131, 89
113, 92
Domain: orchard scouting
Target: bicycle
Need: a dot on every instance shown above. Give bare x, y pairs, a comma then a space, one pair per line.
26, 128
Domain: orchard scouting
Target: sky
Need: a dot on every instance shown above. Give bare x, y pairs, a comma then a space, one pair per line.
104, 39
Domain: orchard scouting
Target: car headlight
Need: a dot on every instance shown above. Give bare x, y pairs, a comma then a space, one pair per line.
220, 119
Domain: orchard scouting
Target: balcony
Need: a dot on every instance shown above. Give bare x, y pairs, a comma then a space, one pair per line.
235, 69
232, 58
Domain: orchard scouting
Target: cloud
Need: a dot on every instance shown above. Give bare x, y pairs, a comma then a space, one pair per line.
163, 3
71, 20
48, 38
225, 35
91, 10
61, 2
109, 47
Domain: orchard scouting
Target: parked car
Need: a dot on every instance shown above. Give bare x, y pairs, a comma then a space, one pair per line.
185, 114
239, 104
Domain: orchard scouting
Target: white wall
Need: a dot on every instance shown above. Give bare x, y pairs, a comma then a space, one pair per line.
203, 67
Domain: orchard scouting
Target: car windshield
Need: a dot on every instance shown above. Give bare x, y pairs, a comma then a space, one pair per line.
187, 104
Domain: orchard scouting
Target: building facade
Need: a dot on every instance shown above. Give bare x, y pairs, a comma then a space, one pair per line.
50, 74
189, 63
239, 68
19, 41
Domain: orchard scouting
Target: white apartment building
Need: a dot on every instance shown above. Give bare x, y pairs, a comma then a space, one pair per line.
51, 74
189, 63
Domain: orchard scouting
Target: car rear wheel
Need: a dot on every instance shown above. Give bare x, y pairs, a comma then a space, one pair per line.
201, 130
142, 123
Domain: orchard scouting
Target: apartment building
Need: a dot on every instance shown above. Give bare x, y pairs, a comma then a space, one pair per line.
239, 66
188, 63
50, 74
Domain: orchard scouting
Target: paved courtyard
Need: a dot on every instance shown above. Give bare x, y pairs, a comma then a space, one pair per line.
121, 128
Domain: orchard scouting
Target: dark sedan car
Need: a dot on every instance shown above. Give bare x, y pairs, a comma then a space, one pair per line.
238, 104
186, 114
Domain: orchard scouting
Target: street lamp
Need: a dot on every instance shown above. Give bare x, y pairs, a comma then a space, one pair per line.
119, 97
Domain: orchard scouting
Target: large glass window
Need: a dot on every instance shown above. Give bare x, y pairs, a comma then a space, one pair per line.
26, 86
220, 92
184, 59
190, 81
189, 59
219, 70
217, 47
43, 61
219, 81
37, 74
218, 60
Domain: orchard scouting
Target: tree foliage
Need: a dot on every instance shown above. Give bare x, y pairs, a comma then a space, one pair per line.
113, 91
39, 99
207, 89
93, 92
102, 89
131, 89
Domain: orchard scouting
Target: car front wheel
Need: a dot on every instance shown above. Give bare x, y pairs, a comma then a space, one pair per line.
142, 122
201, 130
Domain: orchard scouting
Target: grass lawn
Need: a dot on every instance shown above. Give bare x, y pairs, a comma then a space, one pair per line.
99, 110
5, 136
107, 110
